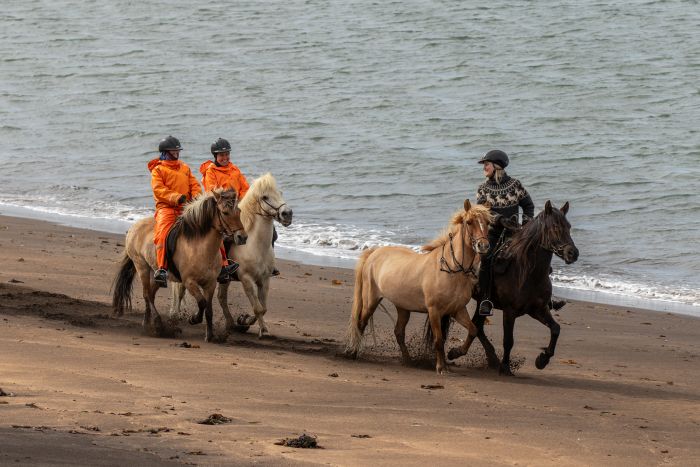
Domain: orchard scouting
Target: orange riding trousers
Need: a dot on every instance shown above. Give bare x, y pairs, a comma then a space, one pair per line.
165, 218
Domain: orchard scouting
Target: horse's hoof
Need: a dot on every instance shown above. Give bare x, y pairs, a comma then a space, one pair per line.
454, 353
505, 371
541, 361
195, 320
239, 328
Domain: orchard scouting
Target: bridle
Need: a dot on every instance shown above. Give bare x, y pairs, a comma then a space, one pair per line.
263, 211
557, 250
226, 229
459, 266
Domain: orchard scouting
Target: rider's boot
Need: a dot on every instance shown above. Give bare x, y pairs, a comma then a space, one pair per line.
161, 278
227, 271
485, 306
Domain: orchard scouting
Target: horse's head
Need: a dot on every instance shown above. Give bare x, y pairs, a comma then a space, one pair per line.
476, 221
229, 215
559, 239
269, 200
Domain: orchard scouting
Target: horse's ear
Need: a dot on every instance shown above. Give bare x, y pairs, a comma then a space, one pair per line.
467, 205
548, 207
564, 209
216, 194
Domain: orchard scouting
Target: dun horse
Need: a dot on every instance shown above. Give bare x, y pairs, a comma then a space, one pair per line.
521, 283
262, 204
438, 283
202, 226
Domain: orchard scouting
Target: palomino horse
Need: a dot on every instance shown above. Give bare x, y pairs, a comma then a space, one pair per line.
204, 223
521, 283
439, 283
262, 204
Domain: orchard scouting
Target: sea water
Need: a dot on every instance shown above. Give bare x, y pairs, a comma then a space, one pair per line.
372, 116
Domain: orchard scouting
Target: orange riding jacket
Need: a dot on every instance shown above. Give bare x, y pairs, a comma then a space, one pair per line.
228, 177
170, 180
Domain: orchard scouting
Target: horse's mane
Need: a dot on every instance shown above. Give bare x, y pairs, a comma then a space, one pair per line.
477, 212
542, 230
198, 216
249, 204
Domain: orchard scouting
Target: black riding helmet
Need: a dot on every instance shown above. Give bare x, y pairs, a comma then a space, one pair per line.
170, 143
220, 145
496, 156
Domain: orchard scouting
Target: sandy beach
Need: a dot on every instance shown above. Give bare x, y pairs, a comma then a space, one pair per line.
82, 387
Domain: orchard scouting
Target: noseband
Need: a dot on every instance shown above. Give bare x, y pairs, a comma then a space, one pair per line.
557, 250
459, 266
277, 209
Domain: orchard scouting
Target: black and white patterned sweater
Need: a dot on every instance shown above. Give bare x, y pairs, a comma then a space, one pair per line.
505, 198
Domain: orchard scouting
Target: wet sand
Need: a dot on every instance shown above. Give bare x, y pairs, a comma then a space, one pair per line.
87, 388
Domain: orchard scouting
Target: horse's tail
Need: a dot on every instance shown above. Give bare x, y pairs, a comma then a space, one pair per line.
121, 298
428, 344
354, 333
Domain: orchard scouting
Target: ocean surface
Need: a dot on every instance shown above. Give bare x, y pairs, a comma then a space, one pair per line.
372, 116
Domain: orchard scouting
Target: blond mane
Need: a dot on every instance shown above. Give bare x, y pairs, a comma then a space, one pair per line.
477, 213
249, 205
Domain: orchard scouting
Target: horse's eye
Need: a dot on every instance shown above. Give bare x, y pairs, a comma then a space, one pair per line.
264, 197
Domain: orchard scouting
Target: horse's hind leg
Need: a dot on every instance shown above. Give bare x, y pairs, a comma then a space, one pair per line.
490, 351
438, 341
400, 332
545, 317
508, 325
462, 317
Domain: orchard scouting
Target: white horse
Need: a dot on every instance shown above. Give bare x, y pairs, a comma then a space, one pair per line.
261, 205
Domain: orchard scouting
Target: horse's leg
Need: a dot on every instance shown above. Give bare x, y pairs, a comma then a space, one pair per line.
176, 297
544, 316
263, 288
193, 288
209, 311
489, 349
438, 342
222, 295
462, 317
149, 289
508, 325
251, 290
400, 332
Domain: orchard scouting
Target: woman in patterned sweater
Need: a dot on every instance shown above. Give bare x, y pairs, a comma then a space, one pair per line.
506, 197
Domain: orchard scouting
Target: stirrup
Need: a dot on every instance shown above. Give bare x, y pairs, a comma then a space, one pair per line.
486, 308
161, 278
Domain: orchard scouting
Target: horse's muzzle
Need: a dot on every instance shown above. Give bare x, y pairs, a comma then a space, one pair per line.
570, 254
285, 217
481, 246
240, 237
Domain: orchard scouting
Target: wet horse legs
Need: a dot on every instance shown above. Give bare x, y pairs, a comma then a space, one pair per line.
400, 332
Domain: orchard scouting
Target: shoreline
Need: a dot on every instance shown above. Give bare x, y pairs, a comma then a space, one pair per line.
621, 388
113, 226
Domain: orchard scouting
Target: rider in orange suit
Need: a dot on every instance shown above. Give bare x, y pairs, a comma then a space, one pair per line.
173, 185
221, 173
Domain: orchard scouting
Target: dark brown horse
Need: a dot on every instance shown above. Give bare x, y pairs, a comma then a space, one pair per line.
521, 283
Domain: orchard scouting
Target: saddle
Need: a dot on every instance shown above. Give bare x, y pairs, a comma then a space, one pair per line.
170, 243
501, 260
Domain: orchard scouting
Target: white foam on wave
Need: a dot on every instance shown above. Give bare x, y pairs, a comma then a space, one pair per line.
323, 244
